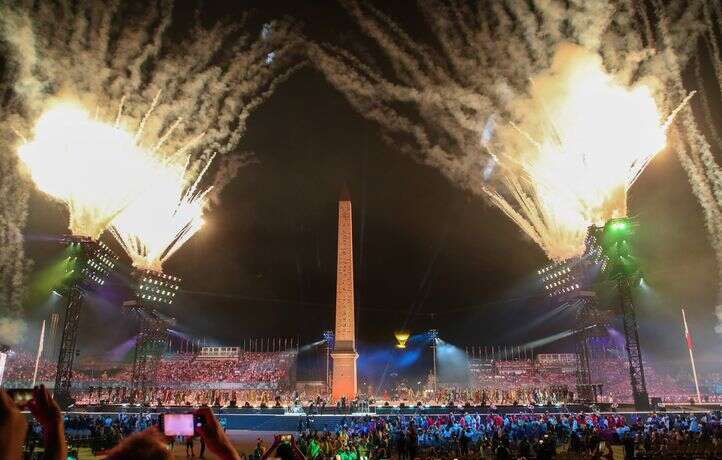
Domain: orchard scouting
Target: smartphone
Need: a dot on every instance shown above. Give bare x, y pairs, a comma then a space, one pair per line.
287, 438
21, 396
180, 424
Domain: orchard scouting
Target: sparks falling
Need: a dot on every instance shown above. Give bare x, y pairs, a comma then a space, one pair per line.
103, 174
164, 218
583, 141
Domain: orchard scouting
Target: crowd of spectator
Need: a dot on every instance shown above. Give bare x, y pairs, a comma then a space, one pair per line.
458, 436
20, 366
531, 383
249, 369
262, 378
516, 436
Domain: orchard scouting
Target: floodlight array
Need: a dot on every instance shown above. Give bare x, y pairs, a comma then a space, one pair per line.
155, 287
560, 278
91, 262
594, 252
328, 337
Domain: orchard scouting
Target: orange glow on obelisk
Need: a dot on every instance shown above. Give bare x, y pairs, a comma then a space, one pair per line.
344, 352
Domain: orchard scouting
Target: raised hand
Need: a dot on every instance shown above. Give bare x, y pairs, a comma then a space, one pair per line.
48, 414
214, 436
13, 428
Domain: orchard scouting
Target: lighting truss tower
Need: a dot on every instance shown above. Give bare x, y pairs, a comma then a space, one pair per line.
585, 389
89, 263
622, 268
149, 347
152, 289
570, 281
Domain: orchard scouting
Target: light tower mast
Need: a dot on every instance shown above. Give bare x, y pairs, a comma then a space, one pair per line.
623, 269
88, 265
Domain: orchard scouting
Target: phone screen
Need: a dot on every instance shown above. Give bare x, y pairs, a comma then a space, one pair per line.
178, 424
21, 396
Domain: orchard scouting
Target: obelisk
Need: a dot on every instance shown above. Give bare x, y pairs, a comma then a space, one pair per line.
344, 352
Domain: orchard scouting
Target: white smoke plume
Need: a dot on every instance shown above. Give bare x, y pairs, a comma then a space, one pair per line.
12, 331
434, 97
110, 53
13, 208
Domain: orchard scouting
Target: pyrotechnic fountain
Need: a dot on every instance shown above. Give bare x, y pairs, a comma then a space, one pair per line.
582, 142
150, 230
96, 170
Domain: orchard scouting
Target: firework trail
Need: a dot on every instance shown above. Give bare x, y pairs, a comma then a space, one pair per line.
156, 225
693, 149
436, 98
576, 174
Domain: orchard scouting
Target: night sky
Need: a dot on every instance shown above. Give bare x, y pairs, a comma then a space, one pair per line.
427, 254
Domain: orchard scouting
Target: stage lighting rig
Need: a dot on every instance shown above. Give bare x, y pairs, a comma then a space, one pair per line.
608, 251
433, 340
570, 281
561, 278
591, 321
88, 265
567, 278
151, 289
329, 338
149, 345
615, 242
155, 288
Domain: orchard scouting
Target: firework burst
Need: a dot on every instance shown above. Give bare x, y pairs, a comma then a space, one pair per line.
583, 141
93, 55
95, 168
167, 215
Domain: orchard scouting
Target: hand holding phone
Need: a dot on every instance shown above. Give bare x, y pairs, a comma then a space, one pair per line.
21, 397
214, 435
180, 424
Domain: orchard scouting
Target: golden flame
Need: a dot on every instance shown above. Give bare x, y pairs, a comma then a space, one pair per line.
167, 215
582, 142
401, 339
95, 168
105, 177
